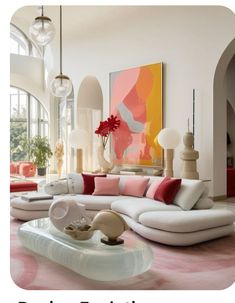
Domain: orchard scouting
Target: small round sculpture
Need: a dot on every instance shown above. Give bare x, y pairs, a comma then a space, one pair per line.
65, 211
112, 226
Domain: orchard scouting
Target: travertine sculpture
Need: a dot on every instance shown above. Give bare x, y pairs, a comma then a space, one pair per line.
189, 157
112, 226
59, 153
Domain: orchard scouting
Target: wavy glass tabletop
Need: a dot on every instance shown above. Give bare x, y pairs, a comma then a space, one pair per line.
89, 258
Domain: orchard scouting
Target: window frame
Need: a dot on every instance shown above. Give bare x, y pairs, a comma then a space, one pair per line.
20, 37
42, 116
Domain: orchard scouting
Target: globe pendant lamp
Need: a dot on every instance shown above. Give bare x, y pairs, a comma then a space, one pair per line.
42, 30
61, 86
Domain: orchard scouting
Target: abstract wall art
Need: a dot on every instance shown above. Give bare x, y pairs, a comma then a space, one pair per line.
136, 99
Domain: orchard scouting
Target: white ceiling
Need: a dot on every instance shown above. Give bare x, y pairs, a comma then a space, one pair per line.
76, 19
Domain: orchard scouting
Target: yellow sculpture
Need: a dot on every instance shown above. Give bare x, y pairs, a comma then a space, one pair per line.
59, 153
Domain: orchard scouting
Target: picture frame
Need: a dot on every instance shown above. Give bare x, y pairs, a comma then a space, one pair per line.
136, 98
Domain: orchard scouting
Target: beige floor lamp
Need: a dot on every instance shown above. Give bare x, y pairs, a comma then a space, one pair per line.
169, 139
78, 139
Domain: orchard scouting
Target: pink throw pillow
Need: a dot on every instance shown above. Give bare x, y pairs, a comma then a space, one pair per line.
89, 183
167, 190
135, 186
152, 189
107, 186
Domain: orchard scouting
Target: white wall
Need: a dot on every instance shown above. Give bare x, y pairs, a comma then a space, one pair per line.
188, 40
28, 73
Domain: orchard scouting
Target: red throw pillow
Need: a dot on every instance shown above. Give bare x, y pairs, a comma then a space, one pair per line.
167, 190
89, 183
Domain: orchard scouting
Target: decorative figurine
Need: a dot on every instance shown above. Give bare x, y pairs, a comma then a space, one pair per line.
79, 231
59, 153
112, 226
189, 157
67, 211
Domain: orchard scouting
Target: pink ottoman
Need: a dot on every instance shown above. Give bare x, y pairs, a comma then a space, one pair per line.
27, 169
14, 167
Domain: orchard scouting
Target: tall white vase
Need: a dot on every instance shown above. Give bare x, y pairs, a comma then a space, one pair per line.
105, 166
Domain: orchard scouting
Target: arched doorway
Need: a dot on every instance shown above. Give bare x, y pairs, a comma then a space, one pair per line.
88, 115
220, 122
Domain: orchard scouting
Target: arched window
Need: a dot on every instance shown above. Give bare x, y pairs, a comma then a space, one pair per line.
21, 45
28, 118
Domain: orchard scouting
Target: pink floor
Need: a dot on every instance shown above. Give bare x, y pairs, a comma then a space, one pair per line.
209, 265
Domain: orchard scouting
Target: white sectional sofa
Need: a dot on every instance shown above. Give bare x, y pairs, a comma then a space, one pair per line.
192, 218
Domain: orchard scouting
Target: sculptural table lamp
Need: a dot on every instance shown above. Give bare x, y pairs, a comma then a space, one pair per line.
78, 139
169, 139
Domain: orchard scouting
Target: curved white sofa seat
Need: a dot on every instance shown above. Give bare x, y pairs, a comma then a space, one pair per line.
97, 202
134, 207
187, 222
179, 239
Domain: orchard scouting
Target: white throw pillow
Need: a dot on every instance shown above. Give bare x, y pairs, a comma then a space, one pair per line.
58, 187
189, 193
203, 203
75, 183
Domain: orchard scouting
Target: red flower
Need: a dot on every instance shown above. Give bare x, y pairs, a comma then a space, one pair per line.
113, 123
106, 127
103, 129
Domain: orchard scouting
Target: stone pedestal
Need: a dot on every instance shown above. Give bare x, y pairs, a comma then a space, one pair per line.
168, 160
189, 157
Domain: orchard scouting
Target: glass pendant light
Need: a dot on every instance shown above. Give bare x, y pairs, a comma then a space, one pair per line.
61, 86
42, 30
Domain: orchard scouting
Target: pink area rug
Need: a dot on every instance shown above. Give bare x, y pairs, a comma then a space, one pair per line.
209, 265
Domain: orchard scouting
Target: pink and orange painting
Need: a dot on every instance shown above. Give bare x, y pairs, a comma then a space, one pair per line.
136, 99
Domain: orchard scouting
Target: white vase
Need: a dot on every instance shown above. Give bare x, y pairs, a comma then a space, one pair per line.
105, 166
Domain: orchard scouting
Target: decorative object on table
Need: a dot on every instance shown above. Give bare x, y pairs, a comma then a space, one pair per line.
59, 153
104, 131
189, 157
157, 172
79, 230
136, 100
65, 211
30, 197
42, 30
61, 86
39, 152
169, 139
78, 139
132, 171
112, 226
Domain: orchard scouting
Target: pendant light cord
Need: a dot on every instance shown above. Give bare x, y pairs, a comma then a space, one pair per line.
42, 11
60, 39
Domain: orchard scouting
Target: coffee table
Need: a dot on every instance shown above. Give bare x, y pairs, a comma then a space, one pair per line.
89, 258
